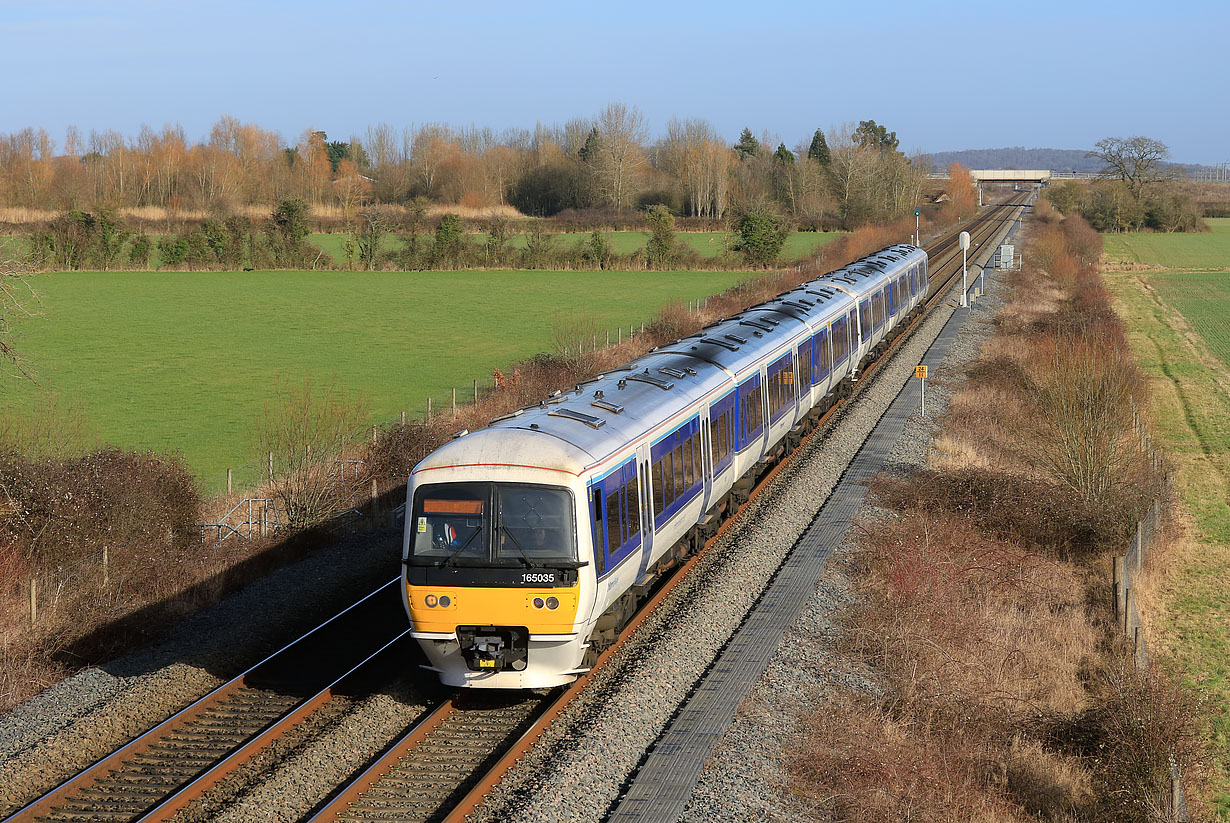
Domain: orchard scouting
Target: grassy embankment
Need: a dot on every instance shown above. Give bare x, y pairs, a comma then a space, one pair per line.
184, 362
1173, 291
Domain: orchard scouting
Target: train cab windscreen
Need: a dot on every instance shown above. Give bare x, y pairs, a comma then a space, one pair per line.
492, 524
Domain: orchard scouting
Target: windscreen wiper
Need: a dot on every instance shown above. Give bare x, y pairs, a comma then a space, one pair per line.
524, 558
449, 561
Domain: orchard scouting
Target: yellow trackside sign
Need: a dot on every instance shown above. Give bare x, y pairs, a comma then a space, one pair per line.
920, 372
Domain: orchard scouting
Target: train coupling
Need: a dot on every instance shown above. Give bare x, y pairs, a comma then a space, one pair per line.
494, 648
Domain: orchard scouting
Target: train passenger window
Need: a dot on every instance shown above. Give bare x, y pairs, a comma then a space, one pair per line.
659, 502
805, 361
668, 479
633, 497
613, 522
839, 342
689, 473
677, 459
864, 319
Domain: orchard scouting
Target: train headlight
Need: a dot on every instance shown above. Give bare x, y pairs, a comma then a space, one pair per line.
445, 601
552, 602
430, 600
539, 603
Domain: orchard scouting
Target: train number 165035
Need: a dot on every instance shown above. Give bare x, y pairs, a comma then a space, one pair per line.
538, 577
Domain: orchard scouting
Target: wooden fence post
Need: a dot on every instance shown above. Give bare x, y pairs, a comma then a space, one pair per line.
375, 504
403, 417
228, 482
476, 391
270, 467
373, 433
608, 338
106, 569
454, 401
33, 600
1115, 584
429, 410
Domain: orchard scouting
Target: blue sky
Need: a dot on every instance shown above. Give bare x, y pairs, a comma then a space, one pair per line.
944, 76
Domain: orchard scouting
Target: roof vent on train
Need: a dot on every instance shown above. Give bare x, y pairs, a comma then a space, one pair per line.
756, 324
736, 338
726, 344
581, 417
646, 377
600, 402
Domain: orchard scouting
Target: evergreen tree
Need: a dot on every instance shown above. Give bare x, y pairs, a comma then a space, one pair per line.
819, 149
748, 146
593, 144
784, 155
871, 134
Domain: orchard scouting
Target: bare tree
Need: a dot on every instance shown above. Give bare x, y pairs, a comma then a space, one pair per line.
16, 298
620, 158
1136, 161
303, 432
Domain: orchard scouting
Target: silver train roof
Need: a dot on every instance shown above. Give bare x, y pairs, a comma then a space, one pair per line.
577, 428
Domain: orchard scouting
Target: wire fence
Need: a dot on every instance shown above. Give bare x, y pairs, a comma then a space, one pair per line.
1126, 571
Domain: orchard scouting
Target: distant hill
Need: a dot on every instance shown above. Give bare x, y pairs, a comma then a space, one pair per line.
1018, 157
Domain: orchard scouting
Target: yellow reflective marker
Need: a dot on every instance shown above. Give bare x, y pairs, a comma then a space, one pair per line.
920, 372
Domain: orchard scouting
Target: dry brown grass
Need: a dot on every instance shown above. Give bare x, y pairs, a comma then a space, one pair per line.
985, 607
21, 215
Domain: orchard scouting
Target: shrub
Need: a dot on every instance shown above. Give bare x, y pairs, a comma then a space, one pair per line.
539, 248
450, 239
759, 238
661, 250
139, 253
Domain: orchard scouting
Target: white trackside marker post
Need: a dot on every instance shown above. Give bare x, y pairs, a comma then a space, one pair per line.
963, 239
921, 373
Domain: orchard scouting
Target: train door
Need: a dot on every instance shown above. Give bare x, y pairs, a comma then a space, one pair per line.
646, 502
706, 458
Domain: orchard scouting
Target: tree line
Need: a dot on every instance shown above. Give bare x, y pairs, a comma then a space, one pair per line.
848, 176
1140, 194
380, 239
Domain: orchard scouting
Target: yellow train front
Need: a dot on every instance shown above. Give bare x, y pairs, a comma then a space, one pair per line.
496, 584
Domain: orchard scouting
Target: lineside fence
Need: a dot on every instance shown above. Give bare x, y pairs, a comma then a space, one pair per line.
1126, 570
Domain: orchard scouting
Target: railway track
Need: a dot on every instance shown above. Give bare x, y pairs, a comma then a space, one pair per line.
407, 784
166, 768
442, 767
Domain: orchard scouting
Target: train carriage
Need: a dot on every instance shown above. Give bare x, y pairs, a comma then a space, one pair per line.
529, 543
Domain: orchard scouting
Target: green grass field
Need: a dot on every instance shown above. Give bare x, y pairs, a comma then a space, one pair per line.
1178, 330
1206, 250
184, 362
1203, 298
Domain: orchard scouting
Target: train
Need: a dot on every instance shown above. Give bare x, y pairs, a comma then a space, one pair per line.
529, 543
